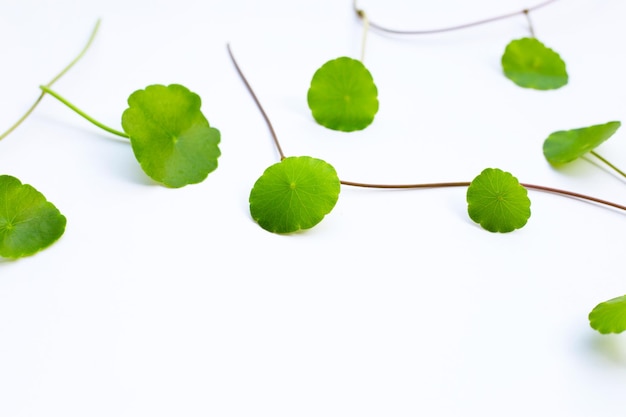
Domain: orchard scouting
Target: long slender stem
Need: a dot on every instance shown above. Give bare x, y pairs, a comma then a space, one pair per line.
366, 27
466, 184
424, 185
360, 13
531, 28
54, 80
258, 103
610, 165
407, 186
56, 95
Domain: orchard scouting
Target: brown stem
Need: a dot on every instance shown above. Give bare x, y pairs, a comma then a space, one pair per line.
466, 184
258, 103
407, 186
360, 13
416, 186
530, 23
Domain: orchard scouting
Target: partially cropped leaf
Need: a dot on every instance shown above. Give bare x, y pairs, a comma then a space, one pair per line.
294, 194
530, 64
567, 145
497, 201
343, 96
171, 138
609, 316
28, 222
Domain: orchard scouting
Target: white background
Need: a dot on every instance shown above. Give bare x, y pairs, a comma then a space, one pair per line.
173, 302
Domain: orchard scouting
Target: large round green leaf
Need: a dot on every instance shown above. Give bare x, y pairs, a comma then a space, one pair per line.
28, 222
497, 201
567, 145
171, 138
530, 64
294, 194
343, 95
609, 316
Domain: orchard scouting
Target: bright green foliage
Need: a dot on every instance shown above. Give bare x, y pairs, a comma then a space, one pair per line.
171, 138
343, 95
565, 146
609, 316
294, 194
497, 201
530, 64
28, 223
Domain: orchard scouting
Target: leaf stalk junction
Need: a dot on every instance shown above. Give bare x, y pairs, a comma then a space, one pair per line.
418, 185
56, 95
609, 164
54, 80
361, 15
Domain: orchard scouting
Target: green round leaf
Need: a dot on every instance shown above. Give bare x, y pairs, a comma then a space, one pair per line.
28, 222
171, 138
567, 145
294, 194
609, 316
343, 95
497, 201
530, 64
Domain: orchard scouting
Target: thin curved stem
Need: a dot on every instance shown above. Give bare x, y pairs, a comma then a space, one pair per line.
407, 186
360, 13
54, 80
574, 195
366, 27
466, 184
258, 103
531, 28
424, 185
56, 95
610, 165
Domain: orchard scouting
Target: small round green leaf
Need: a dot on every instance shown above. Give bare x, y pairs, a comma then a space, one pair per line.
497, 201
28, 222
530, 64
171, 138
567, 145
294, 194
343, 96
609, 316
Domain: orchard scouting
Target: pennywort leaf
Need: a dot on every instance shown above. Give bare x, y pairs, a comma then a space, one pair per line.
497, 201
567, 145
530, 64
171, 138
343, 96
28, 222
609, 316
294, 194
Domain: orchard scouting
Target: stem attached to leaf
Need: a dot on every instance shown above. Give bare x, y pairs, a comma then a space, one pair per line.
54, 80
258, 103
418, 186
610, 165
56, 95
530, 23
466, 184
366, 27
360, 13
